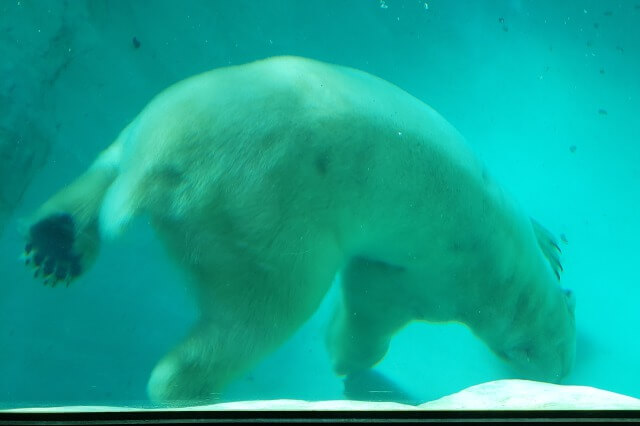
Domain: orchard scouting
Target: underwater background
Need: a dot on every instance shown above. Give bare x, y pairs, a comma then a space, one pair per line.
546, 92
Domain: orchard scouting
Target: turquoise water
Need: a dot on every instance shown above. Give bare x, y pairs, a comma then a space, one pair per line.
547, 93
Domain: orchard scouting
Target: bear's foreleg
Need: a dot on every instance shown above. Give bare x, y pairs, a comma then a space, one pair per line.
372, 309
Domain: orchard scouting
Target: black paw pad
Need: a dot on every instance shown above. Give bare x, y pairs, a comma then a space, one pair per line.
49, 249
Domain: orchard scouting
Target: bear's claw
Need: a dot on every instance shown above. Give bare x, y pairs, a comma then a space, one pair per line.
50, 250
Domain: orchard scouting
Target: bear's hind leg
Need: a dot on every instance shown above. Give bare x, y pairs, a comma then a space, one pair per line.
185, 376
215, 353
249, 306
62, 236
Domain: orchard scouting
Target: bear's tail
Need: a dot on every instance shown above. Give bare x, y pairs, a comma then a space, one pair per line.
117, 208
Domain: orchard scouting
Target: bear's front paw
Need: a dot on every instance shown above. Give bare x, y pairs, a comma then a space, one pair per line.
49, 249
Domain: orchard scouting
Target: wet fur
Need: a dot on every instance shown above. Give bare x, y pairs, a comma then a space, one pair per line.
266, 180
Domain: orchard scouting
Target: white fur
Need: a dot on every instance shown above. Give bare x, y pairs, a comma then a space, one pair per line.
265, 180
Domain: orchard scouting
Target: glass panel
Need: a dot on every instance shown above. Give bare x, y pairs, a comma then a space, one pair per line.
374, 200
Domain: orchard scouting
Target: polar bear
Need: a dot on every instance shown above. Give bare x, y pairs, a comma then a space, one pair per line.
268, 179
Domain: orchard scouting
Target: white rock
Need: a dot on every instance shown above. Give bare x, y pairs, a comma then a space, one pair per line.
529, 395
497, 395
